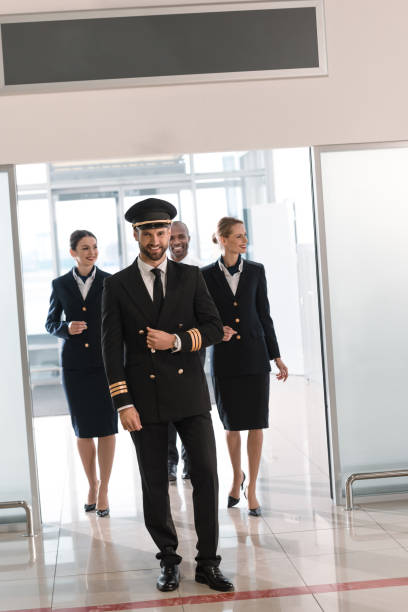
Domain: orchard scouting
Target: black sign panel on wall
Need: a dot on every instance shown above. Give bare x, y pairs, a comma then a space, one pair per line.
277, 39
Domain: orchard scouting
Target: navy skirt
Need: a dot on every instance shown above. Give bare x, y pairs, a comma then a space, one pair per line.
89, 402
243, 402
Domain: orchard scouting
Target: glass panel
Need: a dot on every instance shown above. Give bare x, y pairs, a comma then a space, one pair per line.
14, 453
365, 194
188, 216
211, 206
96, 214
36, 253
31, 174
218, 162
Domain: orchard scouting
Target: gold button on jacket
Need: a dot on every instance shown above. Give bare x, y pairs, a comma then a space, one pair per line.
180, 371
152, 376
86, 345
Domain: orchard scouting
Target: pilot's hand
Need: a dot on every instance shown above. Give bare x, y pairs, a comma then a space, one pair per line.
130, 419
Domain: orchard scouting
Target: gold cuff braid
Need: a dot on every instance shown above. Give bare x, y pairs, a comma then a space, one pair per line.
196, 340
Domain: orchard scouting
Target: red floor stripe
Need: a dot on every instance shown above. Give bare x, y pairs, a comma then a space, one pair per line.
359, 585
235, 596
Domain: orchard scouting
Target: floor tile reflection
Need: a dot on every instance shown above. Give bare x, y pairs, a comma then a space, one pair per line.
300, 539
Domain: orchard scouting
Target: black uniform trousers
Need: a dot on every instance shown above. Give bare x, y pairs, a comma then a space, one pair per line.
173, 455
151, 442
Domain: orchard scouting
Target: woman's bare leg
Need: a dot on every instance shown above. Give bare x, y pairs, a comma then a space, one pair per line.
254, 448
234, 449
87, 452
106, 452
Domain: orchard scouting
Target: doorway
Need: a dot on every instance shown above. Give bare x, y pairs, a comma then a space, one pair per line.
270, 190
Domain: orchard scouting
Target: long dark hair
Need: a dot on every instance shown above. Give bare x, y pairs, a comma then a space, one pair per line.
76, 236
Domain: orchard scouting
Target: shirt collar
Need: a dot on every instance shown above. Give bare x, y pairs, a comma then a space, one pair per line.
145, 267
77, 277
223, 268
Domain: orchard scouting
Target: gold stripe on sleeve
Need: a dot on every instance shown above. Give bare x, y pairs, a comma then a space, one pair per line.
200, 341
197, 337
118, 392
193, 339
117, 384
117, 388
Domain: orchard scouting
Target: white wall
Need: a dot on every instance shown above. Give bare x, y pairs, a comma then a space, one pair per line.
363, 99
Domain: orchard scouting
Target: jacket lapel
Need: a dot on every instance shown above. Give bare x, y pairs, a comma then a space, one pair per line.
219, 277
243, 280
72, 286
133, 283
96, 285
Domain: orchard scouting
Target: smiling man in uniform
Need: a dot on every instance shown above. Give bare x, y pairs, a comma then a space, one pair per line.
156, 316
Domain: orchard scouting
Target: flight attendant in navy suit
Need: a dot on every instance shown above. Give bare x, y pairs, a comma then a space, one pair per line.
240, 364
78, 294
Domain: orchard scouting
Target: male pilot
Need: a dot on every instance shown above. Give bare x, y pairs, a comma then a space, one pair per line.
178, 247
156, 315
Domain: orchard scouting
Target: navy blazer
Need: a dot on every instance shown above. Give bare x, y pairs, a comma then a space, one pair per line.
250, 350
80, 350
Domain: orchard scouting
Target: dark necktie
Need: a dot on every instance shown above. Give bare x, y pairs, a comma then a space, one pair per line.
157, 291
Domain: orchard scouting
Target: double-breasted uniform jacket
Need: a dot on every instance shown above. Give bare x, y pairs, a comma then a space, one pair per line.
254, 345
83, 350
162, 385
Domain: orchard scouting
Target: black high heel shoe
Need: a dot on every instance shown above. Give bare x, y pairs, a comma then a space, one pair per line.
89, 507
103, 513
233, 501
253, 511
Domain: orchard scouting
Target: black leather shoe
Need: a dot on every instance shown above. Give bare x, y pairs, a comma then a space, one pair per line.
233, 501
89, 507
169, 578
172, 470
208, 574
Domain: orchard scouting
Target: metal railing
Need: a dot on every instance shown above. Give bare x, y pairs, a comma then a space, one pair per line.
29, 514
368, 476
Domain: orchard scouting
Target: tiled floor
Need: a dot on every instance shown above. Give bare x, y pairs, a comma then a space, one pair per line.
304, 554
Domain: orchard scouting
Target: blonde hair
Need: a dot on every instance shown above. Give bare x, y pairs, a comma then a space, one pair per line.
224, 228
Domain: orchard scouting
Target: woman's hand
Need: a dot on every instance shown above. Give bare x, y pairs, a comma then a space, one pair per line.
76, 327
283, 370
159, 340
228, 333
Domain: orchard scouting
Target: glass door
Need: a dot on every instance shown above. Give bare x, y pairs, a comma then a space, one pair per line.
362, 195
